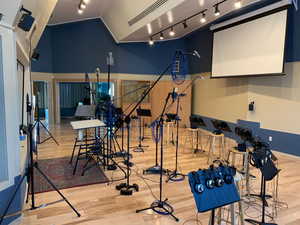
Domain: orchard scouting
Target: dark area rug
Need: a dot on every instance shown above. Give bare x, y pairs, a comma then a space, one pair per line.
60, 173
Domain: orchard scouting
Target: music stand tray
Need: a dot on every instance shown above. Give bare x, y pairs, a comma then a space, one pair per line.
144, 112
220, 126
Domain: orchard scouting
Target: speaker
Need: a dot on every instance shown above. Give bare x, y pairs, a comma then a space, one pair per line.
26, 22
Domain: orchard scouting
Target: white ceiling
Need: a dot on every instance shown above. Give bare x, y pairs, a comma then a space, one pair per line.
179, 13
66, 10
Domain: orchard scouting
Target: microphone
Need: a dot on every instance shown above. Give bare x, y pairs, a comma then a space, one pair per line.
196, 53
97, 71
110, 59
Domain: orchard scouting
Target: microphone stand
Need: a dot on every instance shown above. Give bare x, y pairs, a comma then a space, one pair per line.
29, 172
161, 206
175, 175
126, 188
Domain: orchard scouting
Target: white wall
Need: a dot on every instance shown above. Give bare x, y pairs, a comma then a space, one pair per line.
11, 101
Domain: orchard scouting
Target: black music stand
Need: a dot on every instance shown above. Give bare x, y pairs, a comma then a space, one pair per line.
197, 122
220, 126
141, 113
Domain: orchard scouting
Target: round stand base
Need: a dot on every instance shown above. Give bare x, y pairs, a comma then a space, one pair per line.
111, 167
155, 170
126, 189
139, 148
175, 176
198, 151
161, 207
258, 223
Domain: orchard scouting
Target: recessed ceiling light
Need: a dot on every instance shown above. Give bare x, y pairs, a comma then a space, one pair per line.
86, 1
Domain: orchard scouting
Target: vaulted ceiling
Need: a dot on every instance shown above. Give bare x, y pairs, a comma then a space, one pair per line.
137, 20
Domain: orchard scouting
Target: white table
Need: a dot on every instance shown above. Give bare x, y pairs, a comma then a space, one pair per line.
82, 125
86, 124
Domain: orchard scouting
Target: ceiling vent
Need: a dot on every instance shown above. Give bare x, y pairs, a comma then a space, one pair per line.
147, 11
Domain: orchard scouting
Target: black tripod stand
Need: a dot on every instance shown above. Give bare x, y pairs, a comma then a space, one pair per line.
39, 123
30, 172
264, 204
175, 175
161, 206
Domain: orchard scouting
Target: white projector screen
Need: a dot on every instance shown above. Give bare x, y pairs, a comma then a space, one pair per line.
255, 47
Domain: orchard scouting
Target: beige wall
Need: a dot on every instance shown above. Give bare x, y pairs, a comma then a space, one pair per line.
277, 100
224, 99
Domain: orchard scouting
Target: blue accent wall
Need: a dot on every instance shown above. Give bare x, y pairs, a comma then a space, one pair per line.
80, 47
17, 203
45, 63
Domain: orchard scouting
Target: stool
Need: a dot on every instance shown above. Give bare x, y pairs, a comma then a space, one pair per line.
170, 132
233, 213
212, 139
245, 165
190, 134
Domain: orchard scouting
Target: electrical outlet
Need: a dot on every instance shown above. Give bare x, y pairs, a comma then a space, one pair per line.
270, 138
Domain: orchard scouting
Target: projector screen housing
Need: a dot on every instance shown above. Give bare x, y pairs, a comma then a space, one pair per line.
251, 47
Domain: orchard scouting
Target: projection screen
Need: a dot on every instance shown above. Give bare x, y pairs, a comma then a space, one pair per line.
250, 48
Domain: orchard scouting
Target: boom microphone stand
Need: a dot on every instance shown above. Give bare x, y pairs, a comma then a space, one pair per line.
30, 172
175, 175
126, 188
161, 206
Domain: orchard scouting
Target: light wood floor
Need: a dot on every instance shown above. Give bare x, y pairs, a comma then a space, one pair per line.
102, 204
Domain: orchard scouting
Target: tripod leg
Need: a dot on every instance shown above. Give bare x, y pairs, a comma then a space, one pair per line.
49, 133
11, 199
73, 151
77, 159
55, 188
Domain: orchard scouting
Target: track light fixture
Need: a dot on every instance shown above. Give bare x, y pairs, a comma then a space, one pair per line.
151, 42
238, 4
172, 32
184, 24
203, 19
217, 11
161, 37
82, 5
